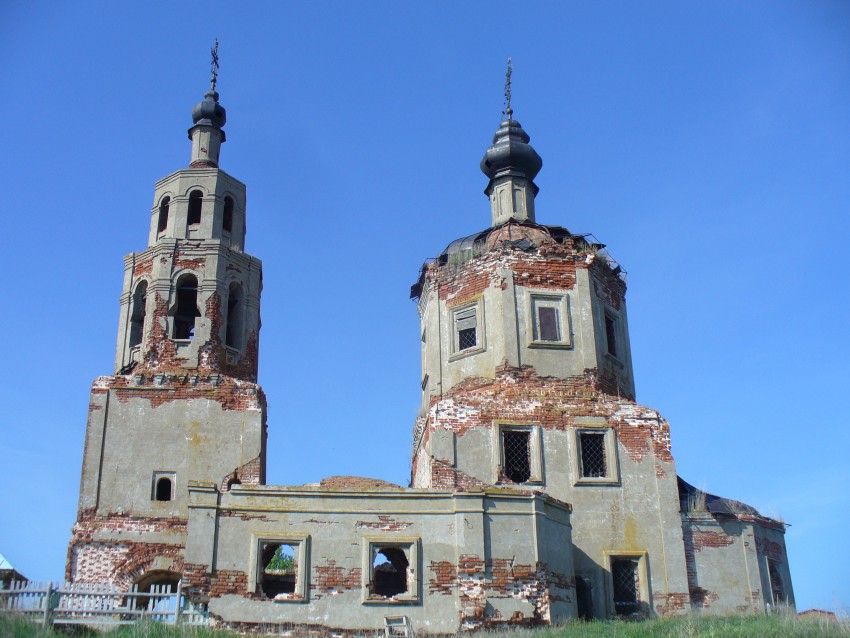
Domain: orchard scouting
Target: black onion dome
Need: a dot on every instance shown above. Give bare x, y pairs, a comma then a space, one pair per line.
209, 112
511, 153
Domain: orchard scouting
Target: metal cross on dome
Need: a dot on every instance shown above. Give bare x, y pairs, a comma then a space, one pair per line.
214, 65
508, 110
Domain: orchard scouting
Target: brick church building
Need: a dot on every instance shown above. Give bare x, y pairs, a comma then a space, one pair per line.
540, 490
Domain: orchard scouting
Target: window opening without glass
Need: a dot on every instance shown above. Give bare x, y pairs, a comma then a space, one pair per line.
137, 314
611, 334
278, 569
389, 571
186, 310
196, 198
164, 489
162, 222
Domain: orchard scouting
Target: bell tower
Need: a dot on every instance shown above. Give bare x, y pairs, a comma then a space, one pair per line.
182, 405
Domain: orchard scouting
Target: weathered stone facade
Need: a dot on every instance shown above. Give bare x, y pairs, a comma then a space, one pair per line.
540, 490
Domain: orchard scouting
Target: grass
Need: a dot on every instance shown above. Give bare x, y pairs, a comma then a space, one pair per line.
781, 624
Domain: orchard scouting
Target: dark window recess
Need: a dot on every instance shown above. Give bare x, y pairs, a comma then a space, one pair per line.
593, 463
515, 445
584, 598
389, 572
196, 198
186, 309
279, 569
466, 324
624, 572
547, 318
163, 489
137, 314
162, 222
611, 334
233, 330
776, 583
227, 222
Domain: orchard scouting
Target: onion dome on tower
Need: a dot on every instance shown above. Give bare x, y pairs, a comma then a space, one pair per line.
511, 163
208, 116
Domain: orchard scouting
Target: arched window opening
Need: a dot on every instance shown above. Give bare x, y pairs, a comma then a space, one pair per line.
156, 582
162, 223
137, 314
389, 571
233, 329
186, 308
227, 223
195, 200
163, 488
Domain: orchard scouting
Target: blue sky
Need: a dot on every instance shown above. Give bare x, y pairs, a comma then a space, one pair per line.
707, 144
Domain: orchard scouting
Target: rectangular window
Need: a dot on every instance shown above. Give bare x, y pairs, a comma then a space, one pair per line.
611, 334
516, 453
592, 455
466, 325
550, 325
389, 570
467, 329
624, 574
281, 569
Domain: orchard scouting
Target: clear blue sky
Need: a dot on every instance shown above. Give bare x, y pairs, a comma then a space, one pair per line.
707, 144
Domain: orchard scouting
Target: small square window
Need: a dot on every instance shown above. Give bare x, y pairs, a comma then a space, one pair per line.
390, 570
467, 331
163, 485
550, 325
595, 452
281, 569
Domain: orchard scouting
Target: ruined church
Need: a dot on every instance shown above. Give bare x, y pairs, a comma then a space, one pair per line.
540, 490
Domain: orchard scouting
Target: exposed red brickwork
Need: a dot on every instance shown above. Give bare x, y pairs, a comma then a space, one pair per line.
331, 579
520, 395
548, 265
670, 604
189, 263
161, 388
228, 581
119, 561
708, 538
383, 524
446, 477
213, 354
609, 288
477, 581
354, 482
771, 549
143, 267
251, 473
444, 578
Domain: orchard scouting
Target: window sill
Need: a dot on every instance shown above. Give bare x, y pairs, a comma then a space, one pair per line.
393, 600
551, 345
288, 598
603, 481
466, 353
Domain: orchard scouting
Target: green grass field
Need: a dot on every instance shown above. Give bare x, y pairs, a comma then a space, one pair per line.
732, 626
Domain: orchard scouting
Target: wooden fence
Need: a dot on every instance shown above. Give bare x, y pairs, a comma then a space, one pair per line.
96, 604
